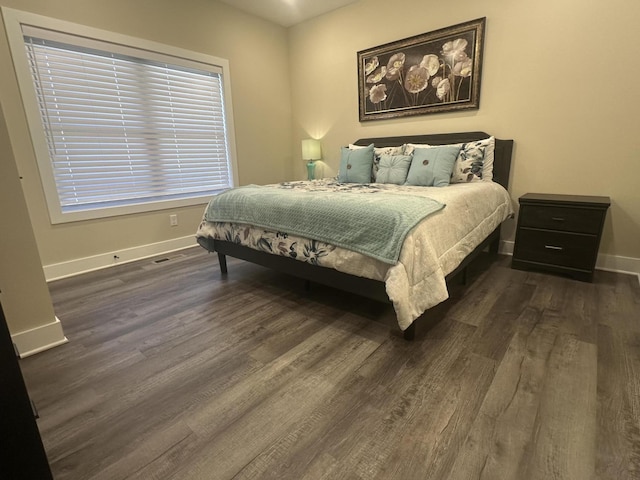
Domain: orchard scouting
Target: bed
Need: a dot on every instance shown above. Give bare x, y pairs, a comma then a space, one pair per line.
435, 250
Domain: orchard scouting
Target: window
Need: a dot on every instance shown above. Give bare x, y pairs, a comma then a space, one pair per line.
124, 129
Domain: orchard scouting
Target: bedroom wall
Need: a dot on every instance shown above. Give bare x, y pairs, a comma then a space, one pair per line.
25, 297
559, 77
257, 51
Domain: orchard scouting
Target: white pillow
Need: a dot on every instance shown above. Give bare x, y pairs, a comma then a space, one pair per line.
410, 147
379, 151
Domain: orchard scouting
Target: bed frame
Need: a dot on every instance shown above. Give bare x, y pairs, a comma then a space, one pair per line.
372, 289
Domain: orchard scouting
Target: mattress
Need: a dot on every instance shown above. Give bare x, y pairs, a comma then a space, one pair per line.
431, 250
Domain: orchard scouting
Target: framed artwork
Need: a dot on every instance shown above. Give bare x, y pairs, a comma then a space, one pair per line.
433, 72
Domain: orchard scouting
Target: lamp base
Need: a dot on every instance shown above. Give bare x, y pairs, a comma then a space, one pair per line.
311, 169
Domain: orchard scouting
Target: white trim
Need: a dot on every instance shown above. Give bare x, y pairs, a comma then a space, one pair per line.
77, 266
14, 20
39, 338
506, 247
609, 263
619, 264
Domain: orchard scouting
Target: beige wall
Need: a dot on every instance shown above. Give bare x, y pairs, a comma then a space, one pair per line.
560, 77
25, 297
258, 56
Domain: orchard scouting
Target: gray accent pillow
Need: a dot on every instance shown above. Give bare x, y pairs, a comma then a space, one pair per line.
393, 169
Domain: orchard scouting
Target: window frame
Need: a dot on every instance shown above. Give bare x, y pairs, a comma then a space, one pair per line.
14, 21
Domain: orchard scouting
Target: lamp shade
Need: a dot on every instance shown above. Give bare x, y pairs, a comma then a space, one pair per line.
311, 149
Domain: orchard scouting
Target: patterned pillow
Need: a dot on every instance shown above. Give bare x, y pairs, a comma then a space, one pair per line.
410, 147
377, 152
393, 168
469, 163
489, 154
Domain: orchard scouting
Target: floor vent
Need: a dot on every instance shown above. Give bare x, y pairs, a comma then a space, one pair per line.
162, 260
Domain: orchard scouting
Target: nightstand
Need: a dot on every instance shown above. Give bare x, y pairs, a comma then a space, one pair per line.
559, 233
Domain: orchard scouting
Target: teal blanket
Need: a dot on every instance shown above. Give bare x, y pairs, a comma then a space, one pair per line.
373, 224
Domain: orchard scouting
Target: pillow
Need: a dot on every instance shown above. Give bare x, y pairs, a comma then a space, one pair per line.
489, 155
432, 166
410, 147
355, 165
489, 145
393, 169
377, 152
469, 163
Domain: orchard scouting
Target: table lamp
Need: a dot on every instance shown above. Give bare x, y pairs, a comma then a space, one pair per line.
310, 153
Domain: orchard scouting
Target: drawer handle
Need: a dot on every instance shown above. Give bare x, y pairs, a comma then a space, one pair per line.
553, 247
557, 219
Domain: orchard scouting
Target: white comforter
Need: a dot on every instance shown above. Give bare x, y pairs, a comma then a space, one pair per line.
432, 250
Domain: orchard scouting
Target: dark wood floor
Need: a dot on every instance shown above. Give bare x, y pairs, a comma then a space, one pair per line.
173, 372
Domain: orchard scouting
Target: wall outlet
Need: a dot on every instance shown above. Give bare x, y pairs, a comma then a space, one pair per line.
173, 220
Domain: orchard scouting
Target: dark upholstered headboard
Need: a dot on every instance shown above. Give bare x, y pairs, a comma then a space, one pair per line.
501, 163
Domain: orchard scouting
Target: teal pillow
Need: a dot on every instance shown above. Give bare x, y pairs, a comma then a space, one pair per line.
432, 166
355, 165
393, 169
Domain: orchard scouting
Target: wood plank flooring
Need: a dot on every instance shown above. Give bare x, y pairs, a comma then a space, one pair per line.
175, 372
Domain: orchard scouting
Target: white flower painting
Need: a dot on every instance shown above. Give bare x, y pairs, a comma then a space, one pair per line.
435, 72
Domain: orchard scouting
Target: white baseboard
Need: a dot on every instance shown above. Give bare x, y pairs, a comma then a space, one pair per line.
35, 340
615, 263
77, 266
609, 263
506, 247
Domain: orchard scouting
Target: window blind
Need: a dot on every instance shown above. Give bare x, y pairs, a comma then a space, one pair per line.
123, 129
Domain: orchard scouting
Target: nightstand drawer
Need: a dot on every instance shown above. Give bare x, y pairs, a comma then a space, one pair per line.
556, 248
567, 219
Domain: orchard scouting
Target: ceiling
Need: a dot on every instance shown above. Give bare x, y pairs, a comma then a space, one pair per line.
288, 12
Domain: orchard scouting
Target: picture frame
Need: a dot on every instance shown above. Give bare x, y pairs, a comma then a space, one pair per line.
433, 72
